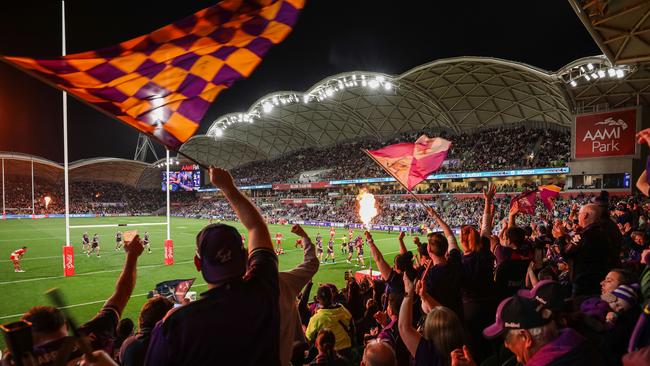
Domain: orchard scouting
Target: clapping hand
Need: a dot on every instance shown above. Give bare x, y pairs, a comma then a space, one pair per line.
462, 357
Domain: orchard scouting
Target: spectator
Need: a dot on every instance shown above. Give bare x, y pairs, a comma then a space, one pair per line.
291, 282
334, 317
535, 339
49, 329
243, 290
378, 353
134, 348
327, 355
442, 279
443, 332
390, 330
589, 251
123, 331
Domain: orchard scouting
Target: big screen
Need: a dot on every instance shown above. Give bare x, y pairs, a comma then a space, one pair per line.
185, 180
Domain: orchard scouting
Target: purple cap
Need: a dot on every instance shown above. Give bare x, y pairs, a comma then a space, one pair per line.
221, 252
516, 312
551, 294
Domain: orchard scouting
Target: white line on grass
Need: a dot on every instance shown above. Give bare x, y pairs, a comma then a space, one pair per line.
89, 273
140, 295
88, 303
147, 266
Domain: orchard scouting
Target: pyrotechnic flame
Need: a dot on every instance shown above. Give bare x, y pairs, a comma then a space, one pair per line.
47, 199
367, 207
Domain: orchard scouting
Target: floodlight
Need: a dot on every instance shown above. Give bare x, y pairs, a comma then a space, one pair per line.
594, 75
388, 85
573, 83
611, 72
620, 73
373, 84
601, 73
590, 67
268, 107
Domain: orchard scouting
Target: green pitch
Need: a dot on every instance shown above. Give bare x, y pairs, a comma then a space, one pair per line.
95, 277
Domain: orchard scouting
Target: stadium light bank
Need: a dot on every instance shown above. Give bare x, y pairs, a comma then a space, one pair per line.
322, 91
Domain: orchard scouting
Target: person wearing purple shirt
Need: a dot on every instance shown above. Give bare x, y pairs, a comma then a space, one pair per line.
237, 321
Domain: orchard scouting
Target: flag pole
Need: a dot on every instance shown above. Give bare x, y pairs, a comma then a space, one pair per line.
418, 199
66, 167
167, 189
3, 188
33, 210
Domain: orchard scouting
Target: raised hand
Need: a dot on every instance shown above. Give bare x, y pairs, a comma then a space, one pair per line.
643, 136
221, 179
134, 247
298, 230
488, 194
409, 288
462, 357
401, 235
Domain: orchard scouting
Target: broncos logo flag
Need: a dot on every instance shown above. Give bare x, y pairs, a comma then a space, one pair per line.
162, 83
411, 162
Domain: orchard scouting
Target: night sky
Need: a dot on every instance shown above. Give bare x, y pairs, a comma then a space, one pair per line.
331, 36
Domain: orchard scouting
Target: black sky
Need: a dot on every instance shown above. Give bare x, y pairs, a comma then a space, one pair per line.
331, 36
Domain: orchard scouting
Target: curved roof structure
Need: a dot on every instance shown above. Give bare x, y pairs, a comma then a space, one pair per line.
123, 171
453, 94
128, 172
620, 28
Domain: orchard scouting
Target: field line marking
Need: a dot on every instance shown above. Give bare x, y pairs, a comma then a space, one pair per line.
88, 273
88, 303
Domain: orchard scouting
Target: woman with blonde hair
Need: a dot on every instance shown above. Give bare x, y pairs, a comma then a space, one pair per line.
443, 332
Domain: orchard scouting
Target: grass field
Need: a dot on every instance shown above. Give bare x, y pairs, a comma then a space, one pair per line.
95, 277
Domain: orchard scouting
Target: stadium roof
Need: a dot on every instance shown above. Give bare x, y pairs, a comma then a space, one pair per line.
128, 172
620, 28
456, 94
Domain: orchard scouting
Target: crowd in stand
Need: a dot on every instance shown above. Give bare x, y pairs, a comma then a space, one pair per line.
566, 287
85, 197
484, 150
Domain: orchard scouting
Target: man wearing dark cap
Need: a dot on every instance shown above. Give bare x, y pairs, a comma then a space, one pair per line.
236, 322
531, 334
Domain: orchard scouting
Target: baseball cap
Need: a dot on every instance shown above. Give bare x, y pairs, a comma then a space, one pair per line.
551, 294
221, 252
516, 312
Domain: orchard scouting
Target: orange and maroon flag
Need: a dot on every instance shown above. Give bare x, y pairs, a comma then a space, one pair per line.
162, 83
411, 162
526, 202
548, 194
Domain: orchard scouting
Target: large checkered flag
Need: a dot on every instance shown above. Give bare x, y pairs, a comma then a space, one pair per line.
162, 83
